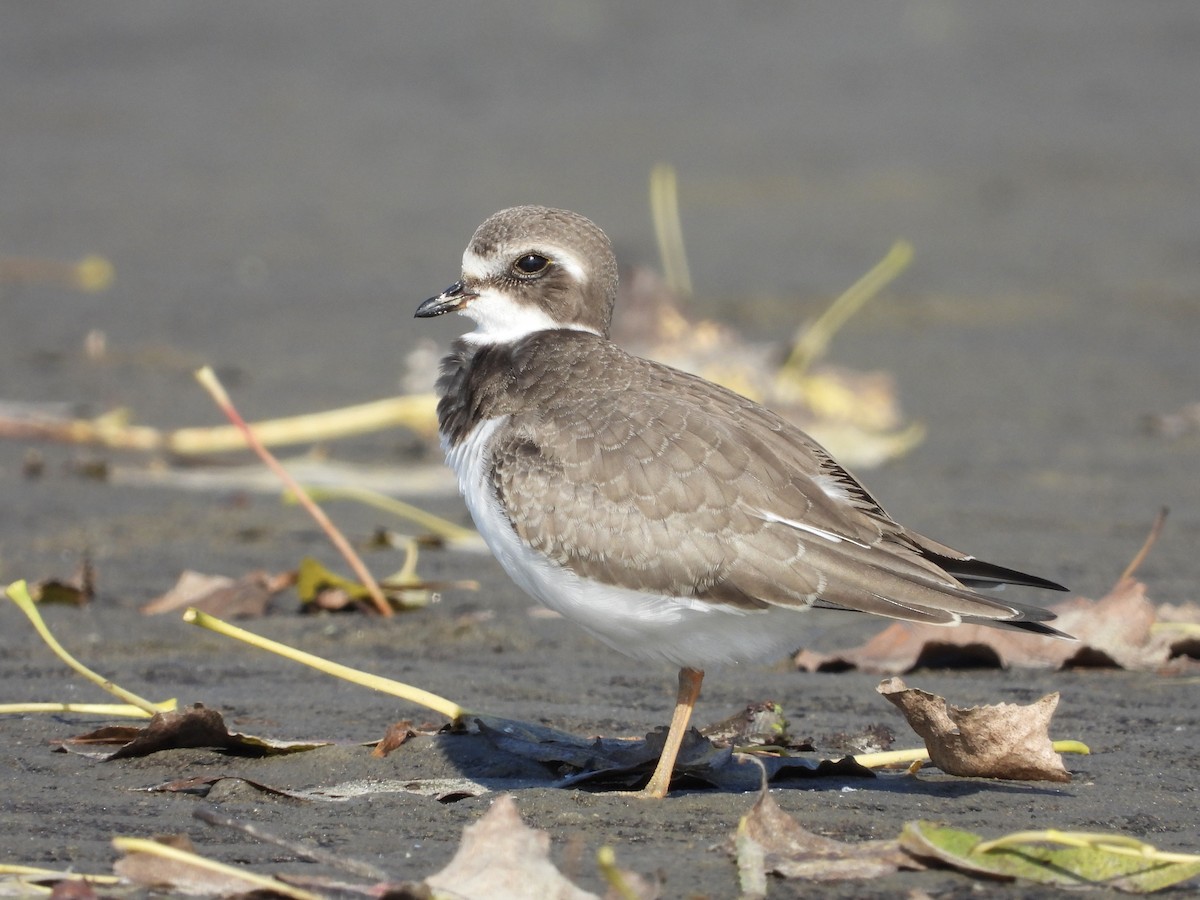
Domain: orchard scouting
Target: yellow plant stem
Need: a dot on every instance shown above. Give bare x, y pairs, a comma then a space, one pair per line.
35, 874
175, 854
113, 429
1118, 844
889, 758
107, 710
814, 340
443, 528
18, 593
668, 231
447, 708
416, 411
606, 859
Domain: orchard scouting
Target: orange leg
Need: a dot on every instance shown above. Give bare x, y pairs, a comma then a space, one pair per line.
689, 690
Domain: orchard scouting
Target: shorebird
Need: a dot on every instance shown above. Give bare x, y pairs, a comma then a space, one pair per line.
671, 518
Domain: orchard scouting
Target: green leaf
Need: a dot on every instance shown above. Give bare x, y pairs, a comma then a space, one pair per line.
1076, 860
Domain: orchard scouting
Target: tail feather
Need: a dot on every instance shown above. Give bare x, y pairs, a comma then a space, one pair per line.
975, 572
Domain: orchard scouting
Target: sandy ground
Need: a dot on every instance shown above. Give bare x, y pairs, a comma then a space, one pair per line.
279, 186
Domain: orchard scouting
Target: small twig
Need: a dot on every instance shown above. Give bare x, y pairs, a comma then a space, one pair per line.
415, 411
1155, 530
335, 860
91, 274
131, 845
443, 528
107, 710
447, 708
30, 874
814, 339
113, 429
664, 210
208, 378
606, 859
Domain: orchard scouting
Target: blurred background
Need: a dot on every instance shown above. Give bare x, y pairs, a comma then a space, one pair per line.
279, 184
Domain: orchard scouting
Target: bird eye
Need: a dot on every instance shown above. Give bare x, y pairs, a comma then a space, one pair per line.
530, 264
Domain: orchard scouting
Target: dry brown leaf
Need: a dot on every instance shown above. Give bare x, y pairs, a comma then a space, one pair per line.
192, 587
78, 589
1180, 627
219, 595
1115, 631
1183, 612
335, 600
179, 876
397, 734
905, 647
500, 857
195, 727
769, 841
1184, 421
1003, 741
170, 863
73, 889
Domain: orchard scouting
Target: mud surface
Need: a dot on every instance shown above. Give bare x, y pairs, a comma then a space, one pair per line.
280, 186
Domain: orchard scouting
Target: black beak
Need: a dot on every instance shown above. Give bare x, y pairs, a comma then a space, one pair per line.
451, 299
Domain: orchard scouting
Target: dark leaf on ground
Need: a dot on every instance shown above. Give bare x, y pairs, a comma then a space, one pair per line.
761, 723
78, 589
623, 763
321, 588
195, 727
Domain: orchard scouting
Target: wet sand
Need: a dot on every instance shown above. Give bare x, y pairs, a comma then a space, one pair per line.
278, 189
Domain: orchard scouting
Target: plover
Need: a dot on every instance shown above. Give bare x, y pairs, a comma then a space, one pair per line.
673, 519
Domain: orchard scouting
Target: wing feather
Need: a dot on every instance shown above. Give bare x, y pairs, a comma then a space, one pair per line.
667, 484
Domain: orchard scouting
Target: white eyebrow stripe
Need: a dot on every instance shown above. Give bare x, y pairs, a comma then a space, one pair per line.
572, 264
808, 529
476, 267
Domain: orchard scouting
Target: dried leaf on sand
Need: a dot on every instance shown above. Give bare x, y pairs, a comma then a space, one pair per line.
320, 588
219, 595
770, 842
397, 734
171, 863
1003, 741
1120, 630
77, 589
500, 857
195, 727
1123, 629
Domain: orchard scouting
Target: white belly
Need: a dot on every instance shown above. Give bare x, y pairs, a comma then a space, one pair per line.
679, 630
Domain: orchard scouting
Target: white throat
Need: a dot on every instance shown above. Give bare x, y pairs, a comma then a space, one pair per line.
501, 320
